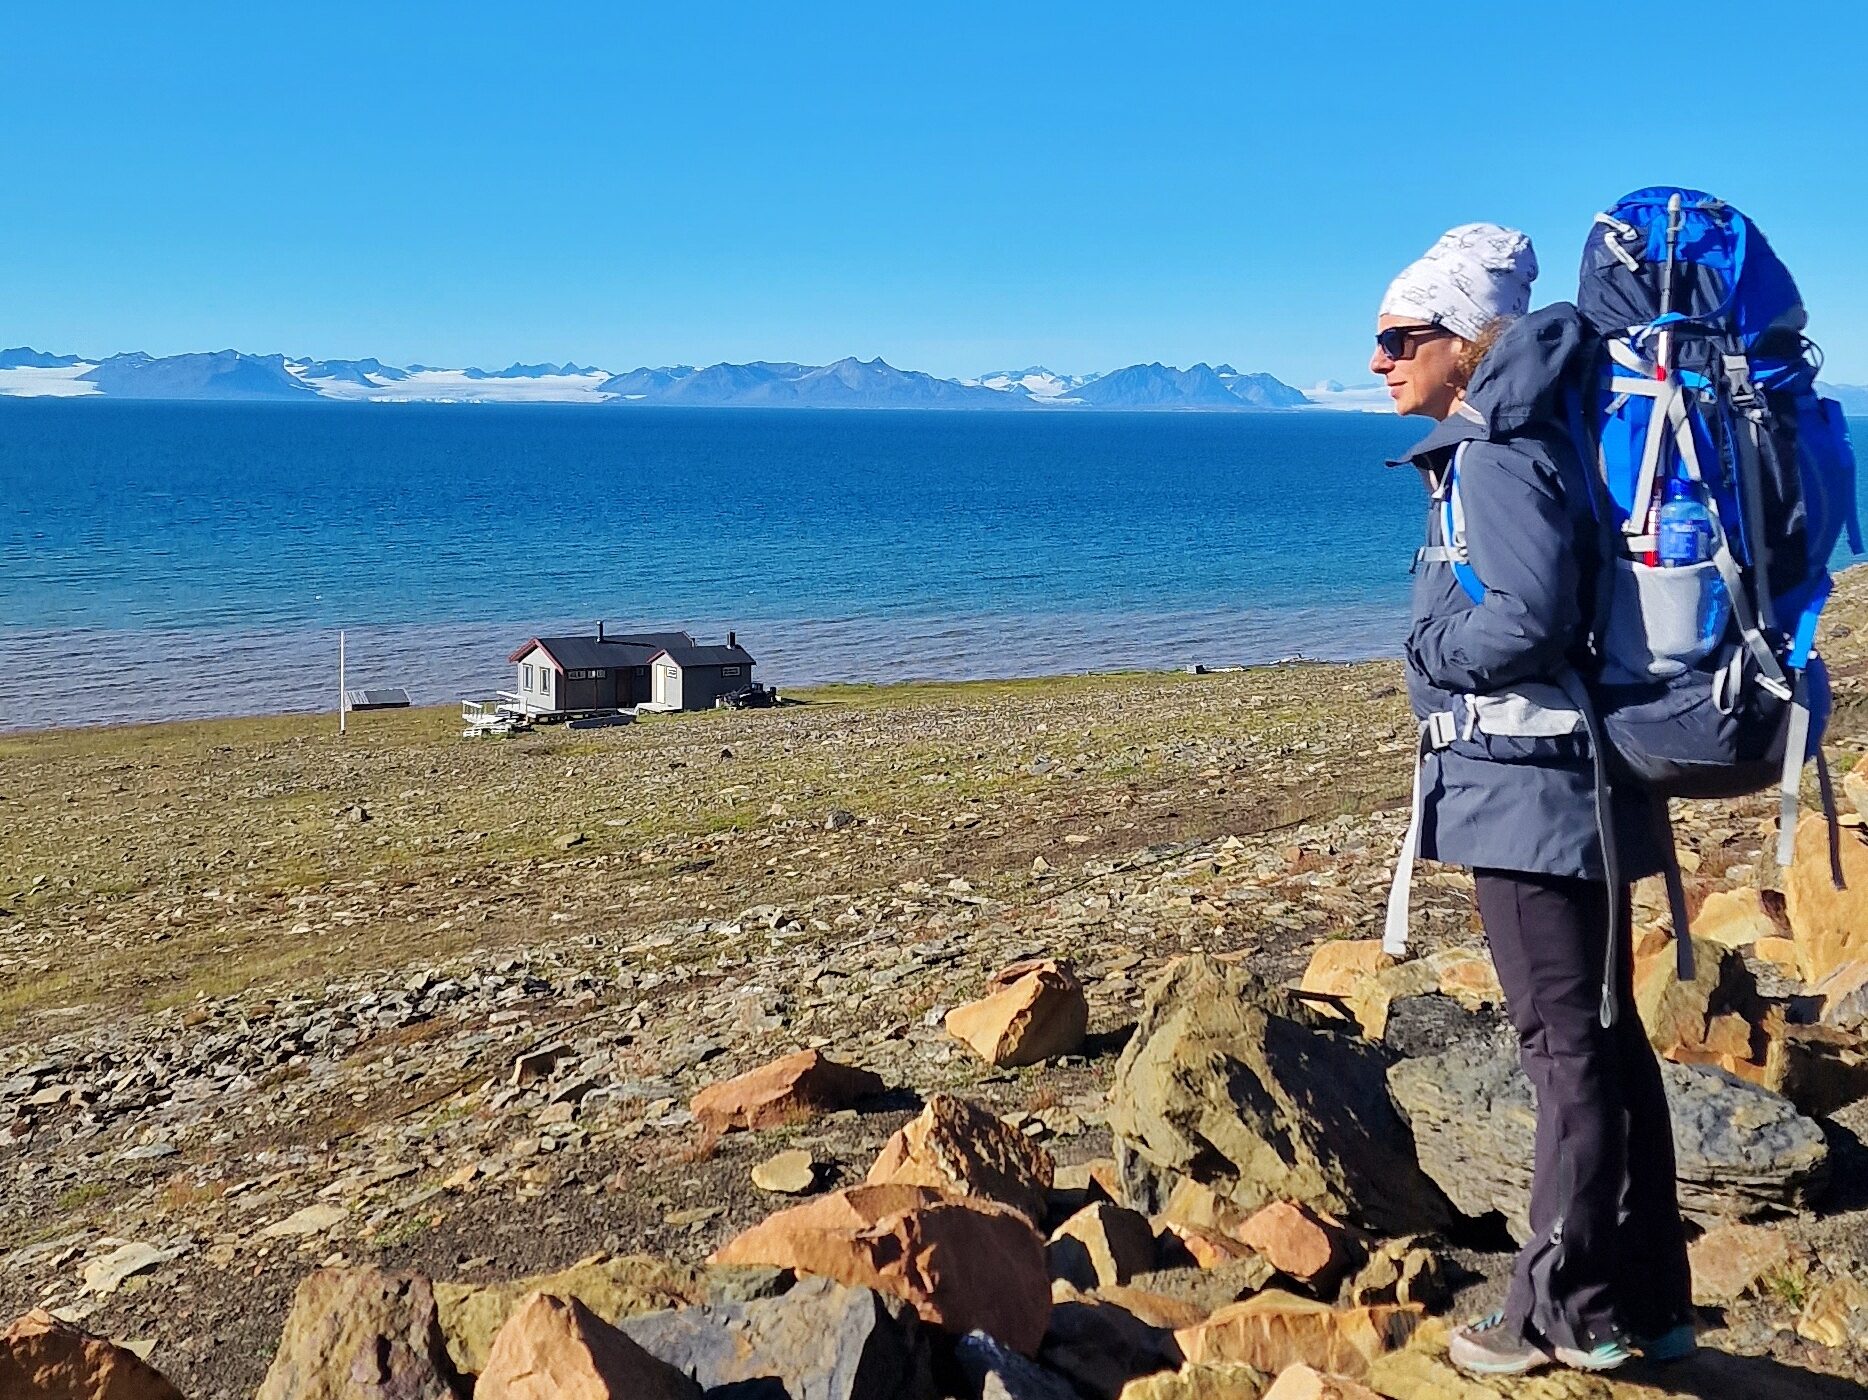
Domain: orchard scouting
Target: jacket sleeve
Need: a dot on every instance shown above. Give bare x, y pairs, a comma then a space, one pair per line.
1522, 546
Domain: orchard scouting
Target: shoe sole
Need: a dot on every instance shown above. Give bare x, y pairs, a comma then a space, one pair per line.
1583, 1361
1499, 1368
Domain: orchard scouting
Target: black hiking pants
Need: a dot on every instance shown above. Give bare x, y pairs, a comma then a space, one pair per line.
1607, 1245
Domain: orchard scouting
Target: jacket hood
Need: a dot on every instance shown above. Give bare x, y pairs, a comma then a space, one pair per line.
1519, 383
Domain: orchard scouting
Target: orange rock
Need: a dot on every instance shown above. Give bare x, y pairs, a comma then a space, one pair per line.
1830, 926
788, 1090
1343, 968
1728, 1260
960, 1148
960, 1264
1037, 1011
1708, 1020
1195, 1203
1299, 1242
1101, 1244
1735, 918
1301, 1382
1206, 1247
1155, 1309
1782, 951
1468, 977
1844, 994
557, 1349
1218, 1382
43, 1358
1276, 1329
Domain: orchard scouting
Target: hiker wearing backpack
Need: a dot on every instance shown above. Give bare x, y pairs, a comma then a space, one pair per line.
1506, 787
1634, 502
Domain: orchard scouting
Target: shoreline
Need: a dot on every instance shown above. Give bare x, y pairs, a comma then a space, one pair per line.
818, 692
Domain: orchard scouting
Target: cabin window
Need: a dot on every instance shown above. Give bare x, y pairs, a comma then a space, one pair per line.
526, 677
729, 670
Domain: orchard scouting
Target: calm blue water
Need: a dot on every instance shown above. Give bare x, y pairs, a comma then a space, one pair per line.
164, 560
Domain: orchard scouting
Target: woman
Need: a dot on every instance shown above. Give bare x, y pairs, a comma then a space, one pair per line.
1506, 787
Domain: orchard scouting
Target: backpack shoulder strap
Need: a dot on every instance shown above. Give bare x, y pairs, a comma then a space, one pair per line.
1450, 547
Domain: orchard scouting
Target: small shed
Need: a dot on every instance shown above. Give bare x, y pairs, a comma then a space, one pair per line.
692, 677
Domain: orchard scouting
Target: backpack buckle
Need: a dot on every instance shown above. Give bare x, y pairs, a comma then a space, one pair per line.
1441, 729
1739, 388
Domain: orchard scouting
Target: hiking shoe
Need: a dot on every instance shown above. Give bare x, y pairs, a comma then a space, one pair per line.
1675, 1344
1489, 1348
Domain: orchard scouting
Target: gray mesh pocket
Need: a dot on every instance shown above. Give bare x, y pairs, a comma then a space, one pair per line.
1663, 621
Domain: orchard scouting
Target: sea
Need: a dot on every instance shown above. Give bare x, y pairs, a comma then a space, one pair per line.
171, 560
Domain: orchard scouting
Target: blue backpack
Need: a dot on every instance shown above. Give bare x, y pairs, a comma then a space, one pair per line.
1705, 680
1708, 682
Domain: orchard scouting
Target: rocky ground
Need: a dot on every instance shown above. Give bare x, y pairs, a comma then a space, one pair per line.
271, 998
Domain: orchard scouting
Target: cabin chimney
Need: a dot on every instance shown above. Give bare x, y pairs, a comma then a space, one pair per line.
732, 639
599, 629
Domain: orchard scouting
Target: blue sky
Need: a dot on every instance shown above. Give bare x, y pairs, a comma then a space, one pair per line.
956, 188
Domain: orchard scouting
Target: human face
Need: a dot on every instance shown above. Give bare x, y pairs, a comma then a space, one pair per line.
1426, 381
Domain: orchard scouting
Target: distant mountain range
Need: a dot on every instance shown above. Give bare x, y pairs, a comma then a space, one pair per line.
849, 383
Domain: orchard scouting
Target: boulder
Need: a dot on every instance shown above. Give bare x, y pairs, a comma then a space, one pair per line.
1101, 1244
554, 1349
1855, 786
1101, 1347
787, 1090
44, 1358
1818, 1068
362, 1334
993, 1373
1036, 1011
1836, 1314
1843, 996
1712, 1018
1467, 976
1737, 918
1741, 1149
961, 1264
1220, 1382
1728, 1260
1301, 1243
1404, 1270
1208, 1290
1342, 971
1199, 1205
1276, 1329
819, 1341
958, 1147
1205, 1248
1829, 925
472, 1314
1155, 1309
1301, 1382
1235, 1085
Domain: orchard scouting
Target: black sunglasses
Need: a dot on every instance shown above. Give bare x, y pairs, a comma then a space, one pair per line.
1397, 342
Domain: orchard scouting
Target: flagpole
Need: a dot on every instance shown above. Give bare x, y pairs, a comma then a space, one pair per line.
341, 715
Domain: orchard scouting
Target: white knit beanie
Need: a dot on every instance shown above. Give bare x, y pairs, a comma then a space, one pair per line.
1472, 275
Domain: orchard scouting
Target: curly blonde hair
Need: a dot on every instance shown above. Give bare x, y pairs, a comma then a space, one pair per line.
1471, 352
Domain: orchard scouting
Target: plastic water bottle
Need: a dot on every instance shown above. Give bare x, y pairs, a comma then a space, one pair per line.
1685, 538
1684, 528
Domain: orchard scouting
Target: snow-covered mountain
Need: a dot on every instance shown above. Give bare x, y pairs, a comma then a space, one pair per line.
1037, 383
848, 383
